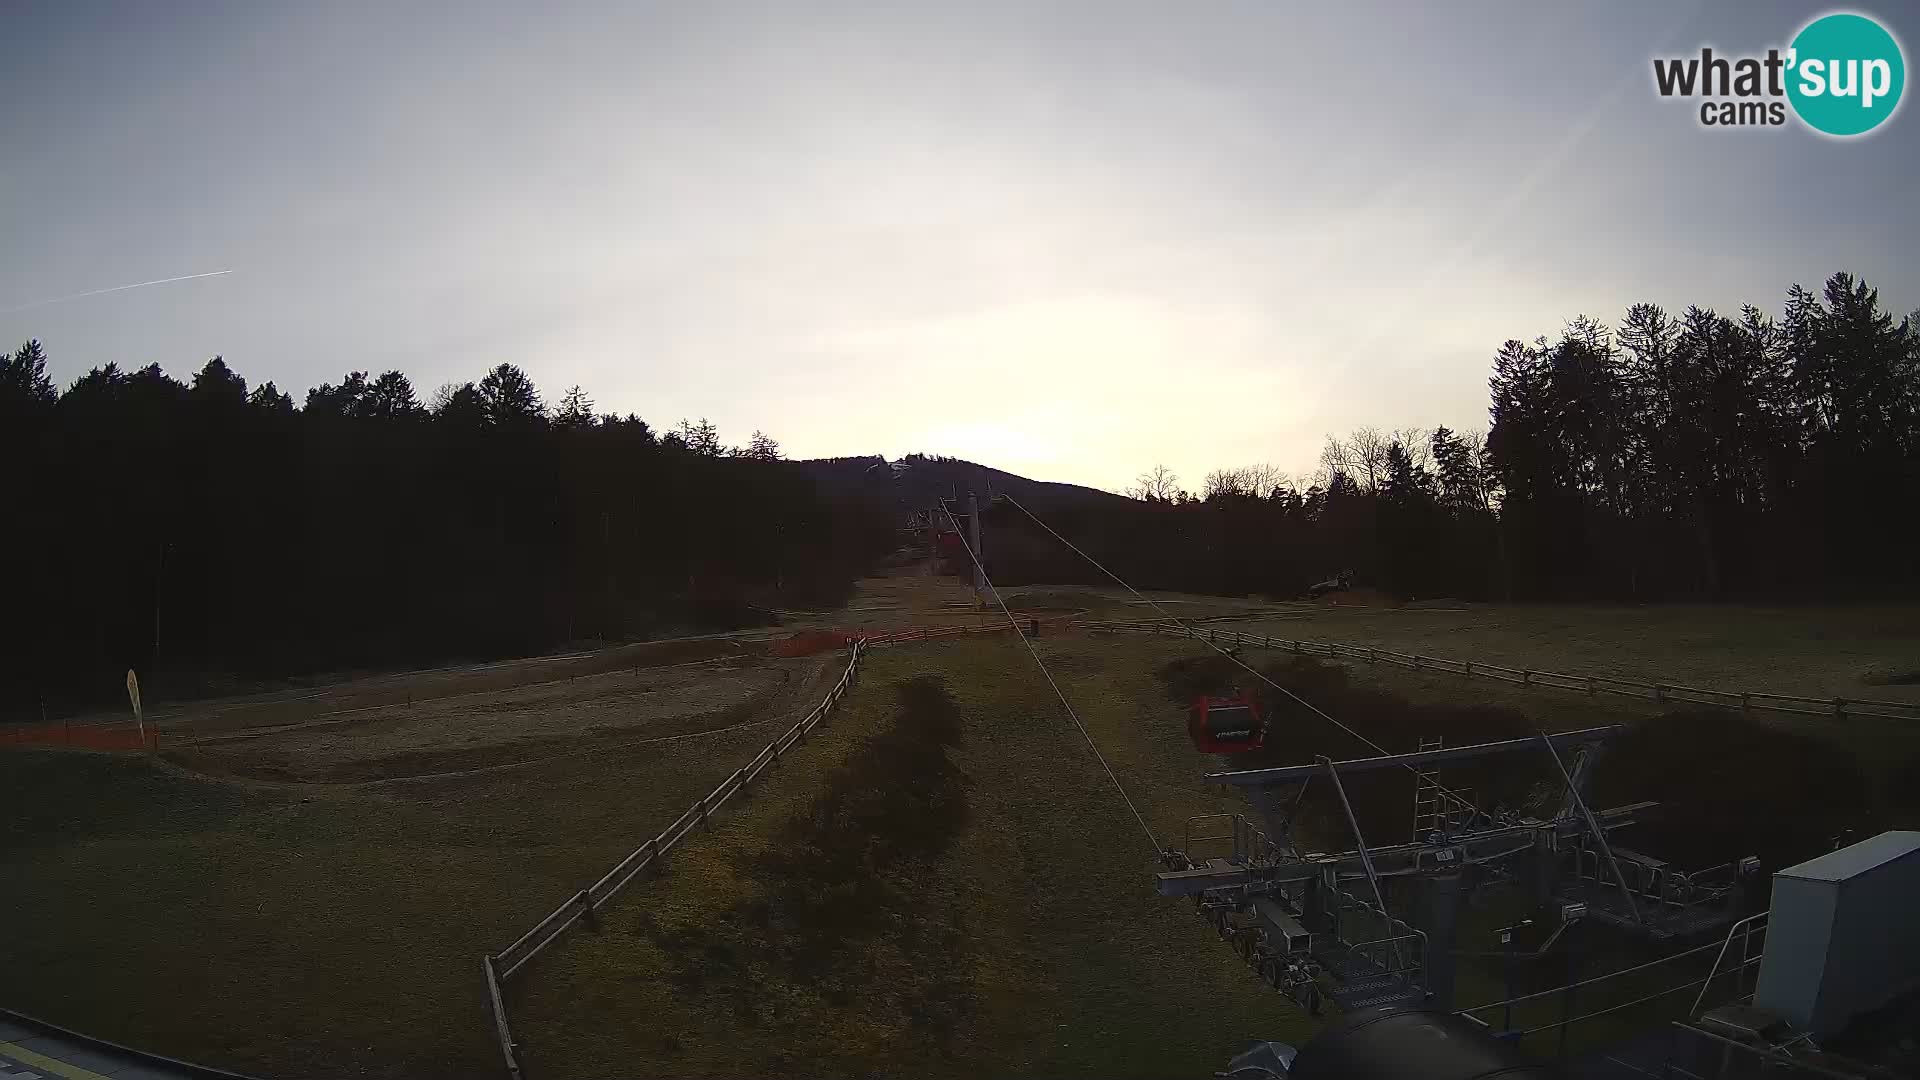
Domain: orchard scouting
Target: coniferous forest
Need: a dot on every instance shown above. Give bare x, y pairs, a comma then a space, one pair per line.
1695, 457
210, 533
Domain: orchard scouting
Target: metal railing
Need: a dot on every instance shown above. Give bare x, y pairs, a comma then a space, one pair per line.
1658, 884
1767, 1060
500, 966
1744, 930
122, 1060
1247, 842
1663, 692
1401, 955
1393, 931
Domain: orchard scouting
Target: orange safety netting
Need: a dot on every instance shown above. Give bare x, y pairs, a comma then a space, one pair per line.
84, 736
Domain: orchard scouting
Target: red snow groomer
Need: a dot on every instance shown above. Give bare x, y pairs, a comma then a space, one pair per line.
1226, 725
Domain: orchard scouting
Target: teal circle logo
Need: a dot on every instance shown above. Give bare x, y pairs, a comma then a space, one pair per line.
1845, 74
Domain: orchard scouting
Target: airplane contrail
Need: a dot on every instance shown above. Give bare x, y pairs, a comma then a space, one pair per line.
116, 288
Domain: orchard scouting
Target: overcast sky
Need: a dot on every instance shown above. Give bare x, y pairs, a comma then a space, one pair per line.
1069, 241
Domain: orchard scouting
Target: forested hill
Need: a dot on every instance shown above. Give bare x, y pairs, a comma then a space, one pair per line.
207, 533
206, 530
920, 480
1695, 456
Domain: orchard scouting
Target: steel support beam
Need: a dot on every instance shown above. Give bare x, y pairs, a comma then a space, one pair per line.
1293, 774
1440, 909
1394, 860
1360, 841
1599, 834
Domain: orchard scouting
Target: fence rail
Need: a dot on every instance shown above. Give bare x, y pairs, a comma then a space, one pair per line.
1746, 701
878, 638
115, 736
584, 902
501, 966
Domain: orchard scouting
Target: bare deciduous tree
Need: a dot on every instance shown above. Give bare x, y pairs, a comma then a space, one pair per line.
437, 401
1158, 485
1258, 481
1418, 444
1361, 455
1221, 483
1264, 478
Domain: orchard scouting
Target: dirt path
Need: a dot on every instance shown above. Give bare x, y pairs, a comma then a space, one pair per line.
488, 730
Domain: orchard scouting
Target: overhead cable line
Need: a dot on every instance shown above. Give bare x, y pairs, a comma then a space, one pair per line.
1177, 621
1042, 664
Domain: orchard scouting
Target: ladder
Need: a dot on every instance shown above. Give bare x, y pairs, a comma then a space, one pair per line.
1434, 808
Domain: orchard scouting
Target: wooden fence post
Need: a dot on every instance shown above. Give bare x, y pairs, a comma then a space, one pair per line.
1526, 678
1591, 689
502, 1033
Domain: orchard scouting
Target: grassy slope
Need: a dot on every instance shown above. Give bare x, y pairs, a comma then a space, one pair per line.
1077, 967
1807, 650
340, 936
1813, 651
249, 927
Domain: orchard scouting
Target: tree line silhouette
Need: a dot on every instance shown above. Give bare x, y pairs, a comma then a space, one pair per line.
207, 534
1697, 457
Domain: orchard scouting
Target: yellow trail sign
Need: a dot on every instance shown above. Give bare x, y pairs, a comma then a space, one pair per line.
133, 695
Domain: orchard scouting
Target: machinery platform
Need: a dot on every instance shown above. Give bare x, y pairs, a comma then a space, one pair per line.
1661, 922
1359, 983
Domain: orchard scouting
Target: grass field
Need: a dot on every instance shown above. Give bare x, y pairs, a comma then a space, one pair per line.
1050, 876
1067, 961
446, 735
318, 928
1858, 652
307, 929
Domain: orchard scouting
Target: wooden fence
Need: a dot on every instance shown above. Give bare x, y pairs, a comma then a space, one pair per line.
1746, 701
500, 966
808, 642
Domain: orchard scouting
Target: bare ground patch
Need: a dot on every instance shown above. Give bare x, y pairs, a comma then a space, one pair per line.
350, 695
600, 712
